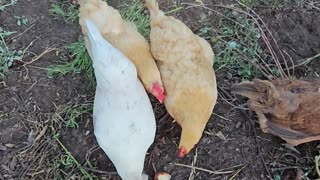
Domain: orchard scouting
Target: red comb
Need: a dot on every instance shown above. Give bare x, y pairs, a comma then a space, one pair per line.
182, 152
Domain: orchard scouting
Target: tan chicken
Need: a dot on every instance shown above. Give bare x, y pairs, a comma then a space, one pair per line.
286, 108
186, 65
124, 36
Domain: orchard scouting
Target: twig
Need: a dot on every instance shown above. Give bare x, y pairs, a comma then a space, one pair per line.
292, 62
236, 107
263, 70
30, 44
223, 98
99, 171
164, 117
40, 55
276, 60
305, 61
224, 118
83, 171
14, 37
193, 170
285, 168
238, 171
202, 169
173, 10
317, 158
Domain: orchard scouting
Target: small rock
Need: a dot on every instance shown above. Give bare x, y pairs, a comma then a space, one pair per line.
162, 176
9, 145
87, 133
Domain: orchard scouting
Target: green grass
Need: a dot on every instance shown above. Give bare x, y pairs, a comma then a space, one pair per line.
81, 62
7, 55
65, 11
237, 44
134, 11
67, 162
73, 114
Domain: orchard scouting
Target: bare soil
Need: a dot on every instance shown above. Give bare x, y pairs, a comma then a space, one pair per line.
30, 101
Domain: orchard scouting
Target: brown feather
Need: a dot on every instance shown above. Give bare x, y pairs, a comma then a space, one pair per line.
287, 108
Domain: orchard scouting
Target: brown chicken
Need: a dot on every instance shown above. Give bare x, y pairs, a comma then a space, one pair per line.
286, 108
186, 65
124, 36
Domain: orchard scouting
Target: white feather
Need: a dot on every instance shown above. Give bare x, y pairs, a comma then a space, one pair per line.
124, 122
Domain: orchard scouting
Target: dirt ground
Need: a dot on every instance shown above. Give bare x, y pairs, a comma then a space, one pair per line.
30, 101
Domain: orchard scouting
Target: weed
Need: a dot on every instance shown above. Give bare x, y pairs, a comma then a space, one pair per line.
3, 6
81, 62
135, 12
65, 11
21, 20
67, 160
238, 44
7, 55
75, 113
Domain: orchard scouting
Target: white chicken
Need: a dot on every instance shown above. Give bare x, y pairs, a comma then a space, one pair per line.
123, 119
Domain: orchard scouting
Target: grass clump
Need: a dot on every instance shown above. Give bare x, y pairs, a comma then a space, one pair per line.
76, 112
67, 161
7, 55
65, 11
135, 12
81, 62
238, 46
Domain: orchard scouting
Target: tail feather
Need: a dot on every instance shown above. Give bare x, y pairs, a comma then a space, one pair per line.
153, 6
93, 32
286, 132
246, 89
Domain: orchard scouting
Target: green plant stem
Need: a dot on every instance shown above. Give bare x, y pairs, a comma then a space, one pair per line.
55, 136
